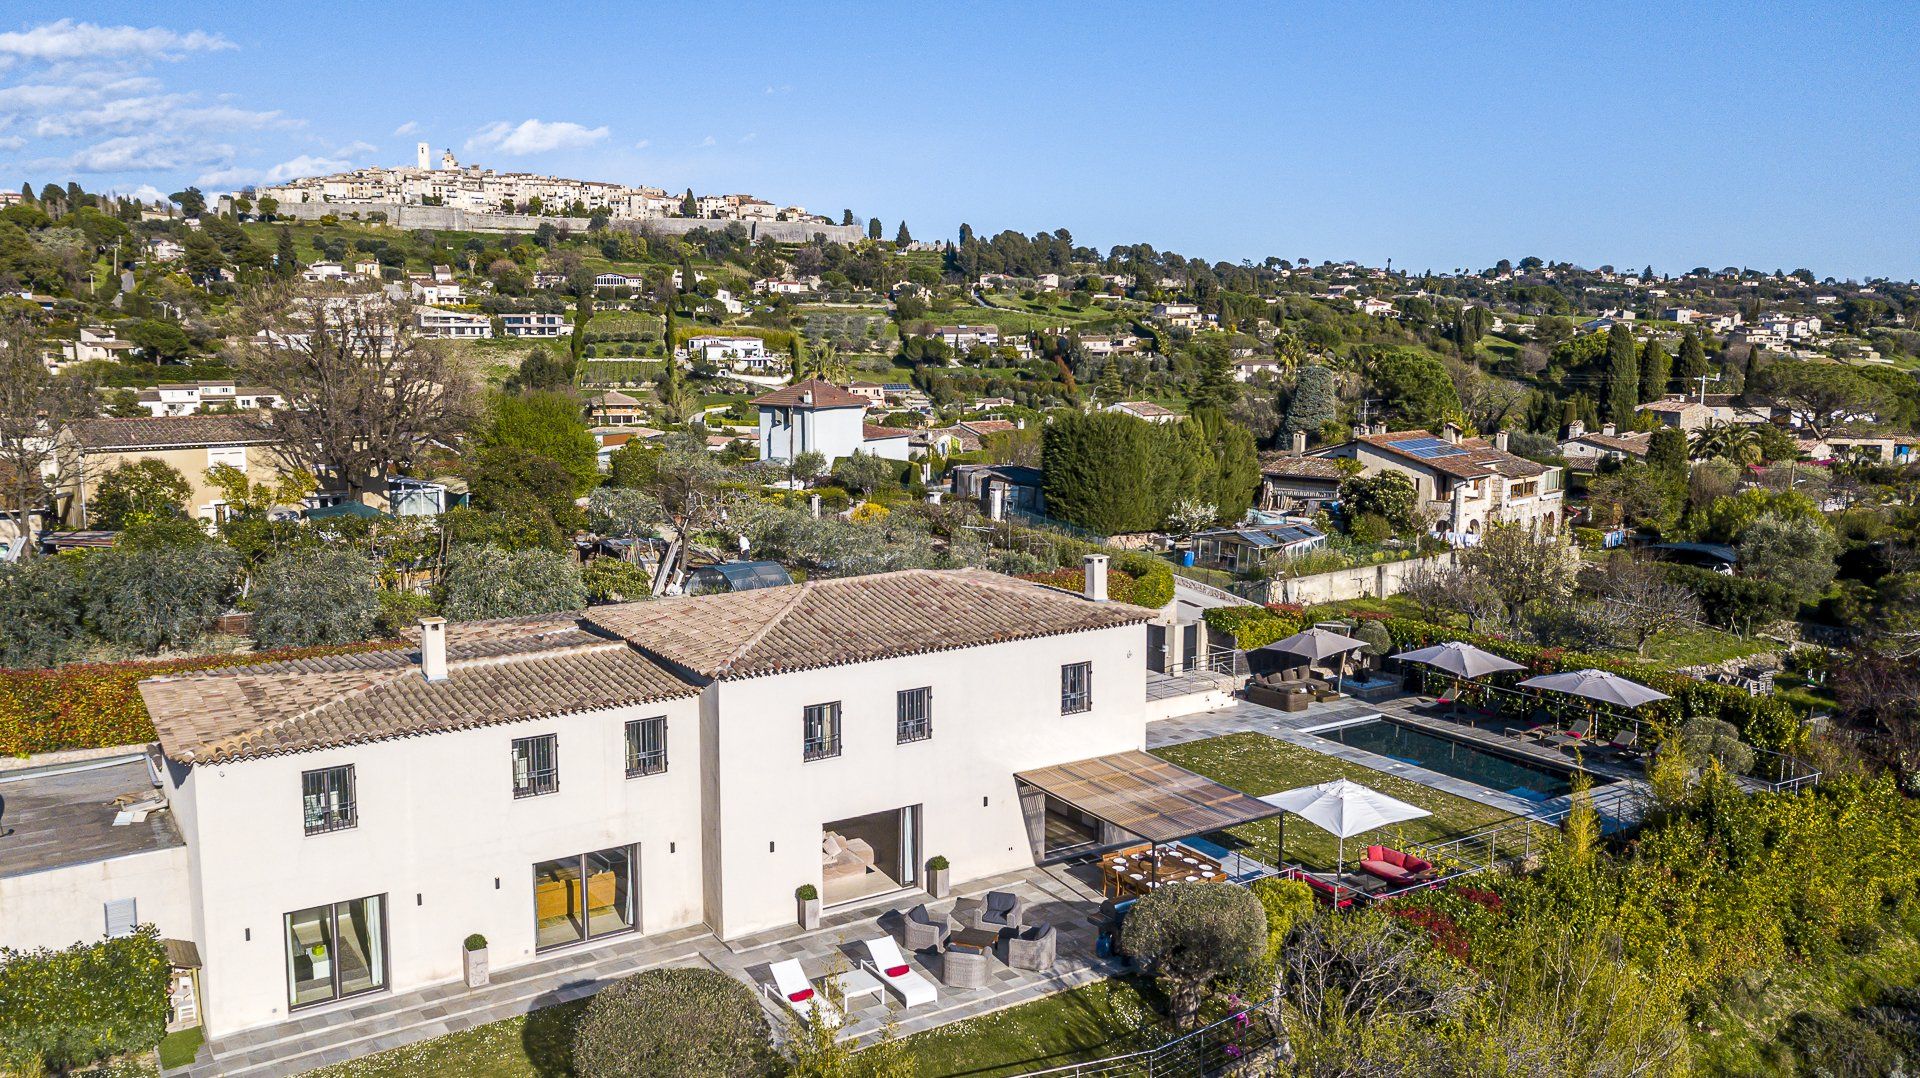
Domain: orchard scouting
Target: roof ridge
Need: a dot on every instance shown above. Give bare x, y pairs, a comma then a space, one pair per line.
799, 592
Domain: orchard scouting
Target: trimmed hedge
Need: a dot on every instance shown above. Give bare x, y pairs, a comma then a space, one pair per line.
1140, 579
672, 1023
1253, 627
64, 1009
98, 705
1763, 721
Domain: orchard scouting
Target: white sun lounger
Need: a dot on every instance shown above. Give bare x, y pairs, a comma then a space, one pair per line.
884, 956
791, 986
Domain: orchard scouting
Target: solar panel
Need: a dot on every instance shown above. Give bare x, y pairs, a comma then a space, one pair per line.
1428, 448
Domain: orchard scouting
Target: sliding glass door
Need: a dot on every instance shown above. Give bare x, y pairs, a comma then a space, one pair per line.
582, 897
336, 950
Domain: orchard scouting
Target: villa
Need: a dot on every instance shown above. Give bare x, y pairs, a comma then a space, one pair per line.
332, 828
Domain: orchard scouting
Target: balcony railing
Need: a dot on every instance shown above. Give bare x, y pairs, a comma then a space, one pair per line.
821, 748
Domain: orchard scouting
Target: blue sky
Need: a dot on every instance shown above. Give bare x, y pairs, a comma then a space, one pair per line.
1438, 136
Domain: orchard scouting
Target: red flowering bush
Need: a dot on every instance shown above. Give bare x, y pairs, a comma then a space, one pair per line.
97, 705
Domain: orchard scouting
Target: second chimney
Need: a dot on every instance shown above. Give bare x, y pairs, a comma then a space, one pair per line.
433, 648
1500, 441
1299, 441
1096, 574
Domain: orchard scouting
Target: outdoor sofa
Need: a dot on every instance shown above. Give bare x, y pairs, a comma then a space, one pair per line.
1394, 866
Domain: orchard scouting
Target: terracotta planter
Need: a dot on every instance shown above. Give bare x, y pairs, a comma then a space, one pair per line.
476, 968
809, 913
938, 881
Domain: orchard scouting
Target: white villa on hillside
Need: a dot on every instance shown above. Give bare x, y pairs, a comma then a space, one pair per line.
560, 782
1465, 484
820, 417
458, 325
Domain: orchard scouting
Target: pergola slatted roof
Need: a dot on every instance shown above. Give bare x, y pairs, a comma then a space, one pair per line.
1147, 796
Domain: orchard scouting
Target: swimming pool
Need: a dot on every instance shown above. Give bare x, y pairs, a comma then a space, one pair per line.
1459, 759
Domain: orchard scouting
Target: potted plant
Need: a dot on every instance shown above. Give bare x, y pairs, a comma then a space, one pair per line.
937, 874
476, 960
809, 899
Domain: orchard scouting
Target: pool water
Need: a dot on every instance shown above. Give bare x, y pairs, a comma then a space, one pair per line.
1455, 758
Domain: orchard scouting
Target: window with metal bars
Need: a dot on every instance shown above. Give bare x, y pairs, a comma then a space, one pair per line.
1076, 688
327, 801
646, 746
820, 731
915, 715
536, 765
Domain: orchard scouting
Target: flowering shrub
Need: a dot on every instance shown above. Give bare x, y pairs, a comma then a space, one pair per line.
1445, 933
96, 705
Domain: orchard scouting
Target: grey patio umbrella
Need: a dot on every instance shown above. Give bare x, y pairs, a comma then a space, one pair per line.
1597, 685
1317, 644
1460, 659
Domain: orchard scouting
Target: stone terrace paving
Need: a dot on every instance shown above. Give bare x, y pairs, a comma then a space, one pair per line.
1054, 895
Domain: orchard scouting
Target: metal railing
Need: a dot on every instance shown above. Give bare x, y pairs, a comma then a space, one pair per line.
1232, 1041
1217, 660
1208, 582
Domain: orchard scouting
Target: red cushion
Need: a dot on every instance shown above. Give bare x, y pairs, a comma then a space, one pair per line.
801, 996
898, 971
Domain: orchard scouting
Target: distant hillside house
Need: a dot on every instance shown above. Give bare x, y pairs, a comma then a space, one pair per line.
1465, 484
820, 417
443, 324
1696, 412
1293, 483
533, 325
1147, 410
1584, 449
88, 449
962, 338
187, 398
738, 353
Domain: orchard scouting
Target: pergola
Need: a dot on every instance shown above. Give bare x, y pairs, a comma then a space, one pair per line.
1138, 795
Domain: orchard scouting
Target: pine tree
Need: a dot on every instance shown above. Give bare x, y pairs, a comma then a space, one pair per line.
846, 217
1693, 359
902, 237
875, 229
1656, 370
1623, 374
688, 207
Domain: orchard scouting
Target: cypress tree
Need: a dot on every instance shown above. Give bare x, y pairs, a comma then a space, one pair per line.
1623, 373
1693, 359
1656, 370
1314, 403
1667, 452
902, 237
286, 262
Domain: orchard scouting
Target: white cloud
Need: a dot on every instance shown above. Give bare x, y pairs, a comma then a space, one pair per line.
11, 142
643, 144
407, 128
749, 137
147, 192
69, 40
535, 136
356, 149
306, 165
150, 152
708, 141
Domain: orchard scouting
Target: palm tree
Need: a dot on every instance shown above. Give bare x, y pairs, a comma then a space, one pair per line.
1736, 442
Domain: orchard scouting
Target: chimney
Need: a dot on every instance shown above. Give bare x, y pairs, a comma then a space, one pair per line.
1096, 574
433, 648
1361, 428
1020, 424
1380, 427
1575, 428
806, 398
1608, 429
1500, 441
1451, 432
1299, 441
996, 502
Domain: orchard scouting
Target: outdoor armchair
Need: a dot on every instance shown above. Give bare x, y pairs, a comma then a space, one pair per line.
922, 931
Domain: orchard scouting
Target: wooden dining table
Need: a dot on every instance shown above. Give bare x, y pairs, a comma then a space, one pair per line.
1138, 870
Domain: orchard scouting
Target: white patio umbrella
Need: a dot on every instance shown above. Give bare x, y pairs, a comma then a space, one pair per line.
1344, 808
1317, 644
1597, 685
1460, 659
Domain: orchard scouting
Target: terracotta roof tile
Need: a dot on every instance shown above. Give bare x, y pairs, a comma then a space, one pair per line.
158, 432
497, 672
831, 622
1290, 466
825, 395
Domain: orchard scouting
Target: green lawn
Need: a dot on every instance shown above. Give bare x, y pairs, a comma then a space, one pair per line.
1692, 647
539, 1045
1106, 1018
178, 1049
1260, 765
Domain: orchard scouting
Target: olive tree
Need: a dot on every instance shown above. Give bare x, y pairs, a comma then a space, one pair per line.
698, 1023
312, 596
1191, 935
153, 597
489, 582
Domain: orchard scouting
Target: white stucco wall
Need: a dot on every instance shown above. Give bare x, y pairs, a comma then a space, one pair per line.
67, 905
996, 711
438, 826
831, 432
